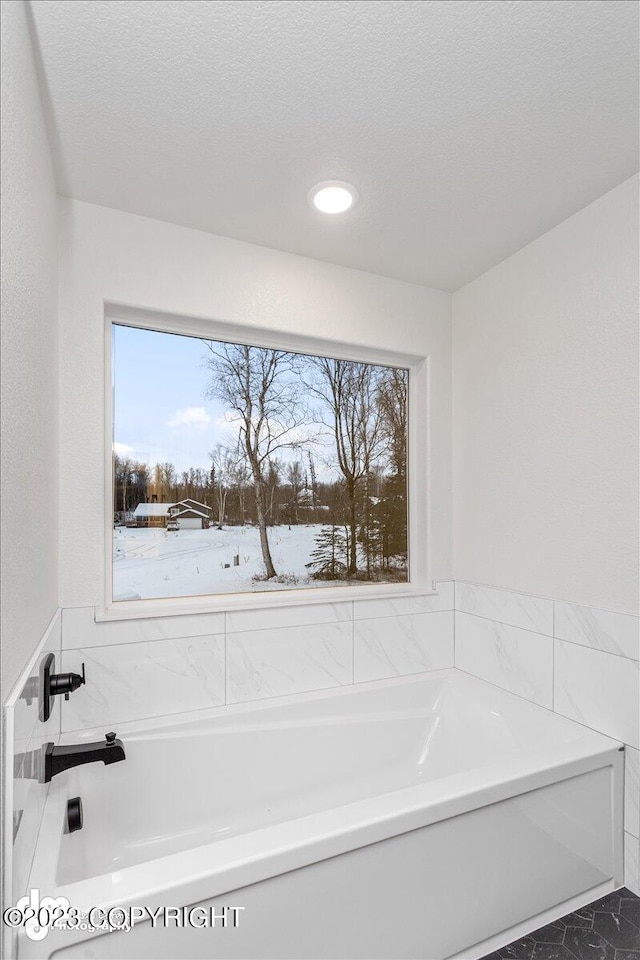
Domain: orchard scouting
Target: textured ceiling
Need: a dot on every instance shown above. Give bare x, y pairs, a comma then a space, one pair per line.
469, 128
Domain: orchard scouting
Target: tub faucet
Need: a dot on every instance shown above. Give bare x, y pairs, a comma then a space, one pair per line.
57, 759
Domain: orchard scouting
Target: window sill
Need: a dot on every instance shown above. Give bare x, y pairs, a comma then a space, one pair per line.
192, 606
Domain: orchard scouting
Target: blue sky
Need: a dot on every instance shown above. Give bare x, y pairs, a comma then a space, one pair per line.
160, 410
161, 413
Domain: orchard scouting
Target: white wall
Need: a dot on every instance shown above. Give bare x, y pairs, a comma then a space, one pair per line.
118, 257
29, 541
546, 413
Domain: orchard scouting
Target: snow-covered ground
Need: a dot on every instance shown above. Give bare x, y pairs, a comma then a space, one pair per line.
149, 563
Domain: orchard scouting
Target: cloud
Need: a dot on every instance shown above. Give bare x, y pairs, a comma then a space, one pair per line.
228, 422
190, 416
121, 449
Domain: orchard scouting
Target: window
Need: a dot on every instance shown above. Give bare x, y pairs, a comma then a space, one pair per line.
241, 468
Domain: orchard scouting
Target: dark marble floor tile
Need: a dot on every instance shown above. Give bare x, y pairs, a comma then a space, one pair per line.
579, 918
520, 950
588, 944
552, 933
603, 930
630, 908
607, 904
620, 932
551, 951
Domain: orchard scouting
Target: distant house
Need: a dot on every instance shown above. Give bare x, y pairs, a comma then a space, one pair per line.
305, 497
190, 518
195, 505
151, 515
190, 514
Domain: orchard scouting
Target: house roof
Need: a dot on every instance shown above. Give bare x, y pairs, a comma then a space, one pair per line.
162, 509
152, 510
191, 500
198, 513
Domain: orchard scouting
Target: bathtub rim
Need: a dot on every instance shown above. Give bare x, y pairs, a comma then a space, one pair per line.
179, 893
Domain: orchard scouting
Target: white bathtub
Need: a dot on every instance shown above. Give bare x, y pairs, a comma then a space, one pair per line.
430, 817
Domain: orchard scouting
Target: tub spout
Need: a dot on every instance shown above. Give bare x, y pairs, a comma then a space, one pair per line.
57, 759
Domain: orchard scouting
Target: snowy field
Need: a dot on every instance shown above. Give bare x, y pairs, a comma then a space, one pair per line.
150, 563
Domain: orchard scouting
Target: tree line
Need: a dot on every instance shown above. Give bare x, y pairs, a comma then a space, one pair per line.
286, 402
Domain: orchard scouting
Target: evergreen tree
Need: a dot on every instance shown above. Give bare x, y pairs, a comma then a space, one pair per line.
329, 559
391, 514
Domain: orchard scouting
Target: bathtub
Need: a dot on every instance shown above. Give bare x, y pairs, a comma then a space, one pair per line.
433, 816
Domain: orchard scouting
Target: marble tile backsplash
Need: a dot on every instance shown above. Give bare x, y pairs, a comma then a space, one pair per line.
286, 660
580, 661
80, 629
403, 606
239, 621
598, 689
412, 643
632, 792
133, 681
599, 629
503, 606
161, 666
518, 660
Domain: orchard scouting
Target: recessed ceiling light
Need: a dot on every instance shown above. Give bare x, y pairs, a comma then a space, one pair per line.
333, 196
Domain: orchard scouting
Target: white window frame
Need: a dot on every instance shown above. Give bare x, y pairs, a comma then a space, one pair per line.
418, 455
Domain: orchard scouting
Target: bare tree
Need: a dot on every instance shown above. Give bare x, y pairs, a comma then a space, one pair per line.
140, 483
314, 484
123, 469
258, 386
274, 470
239, 480
393, 399
223, 464
349, 394
294, 476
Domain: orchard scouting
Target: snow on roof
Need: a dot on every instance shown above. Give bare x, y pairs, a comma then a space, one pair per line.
152, 510
162, 509
191, 500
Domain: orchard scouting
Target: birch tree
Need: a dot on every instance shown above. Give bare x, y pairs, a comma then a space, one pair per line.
259, 387
349, 394
222, 473
393, 399
294, 477
274, 469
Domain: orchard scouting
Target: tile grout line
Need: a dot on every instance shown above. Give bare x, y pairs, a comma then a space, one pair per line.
225, 658
455, 610
548, 636
353, 642
538, 596
553, 659
503, 623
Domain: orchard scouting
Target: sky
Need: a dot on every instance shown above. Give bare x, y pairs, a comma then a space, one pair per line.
161, 411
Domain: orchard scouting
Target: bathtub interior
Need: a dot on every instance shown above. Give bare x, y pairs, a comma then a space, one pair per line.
195, 783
